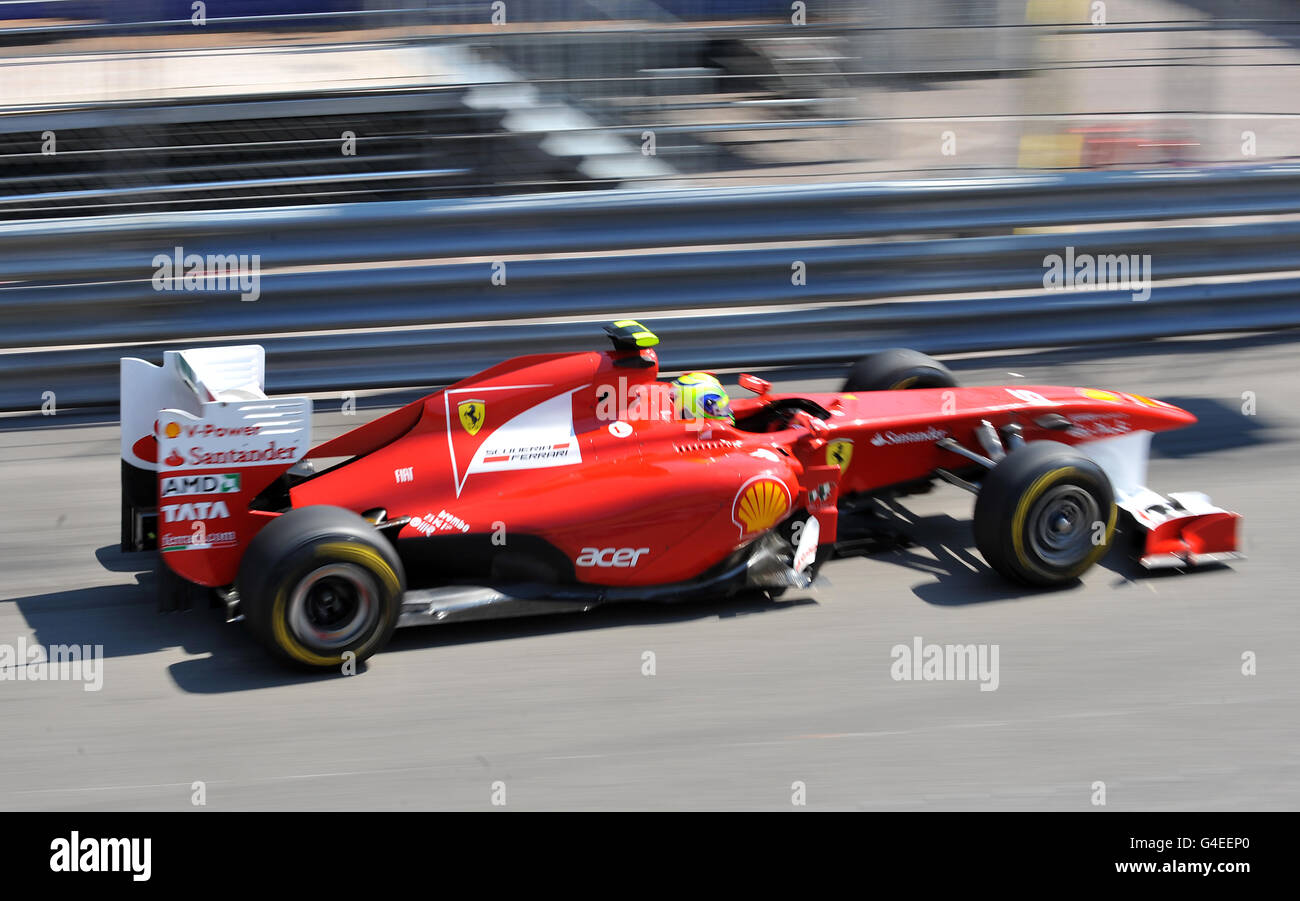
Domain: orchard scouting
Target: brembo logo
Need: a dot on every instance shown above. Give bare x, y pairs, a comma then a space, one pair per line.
622, 557
880, 439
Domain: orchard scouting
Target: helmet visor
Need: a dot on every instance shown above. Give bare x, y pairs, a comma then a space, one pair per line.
716, 406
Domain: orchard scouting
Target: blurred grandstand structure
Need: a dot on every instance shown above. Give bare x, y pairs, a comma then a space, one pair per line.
148, 105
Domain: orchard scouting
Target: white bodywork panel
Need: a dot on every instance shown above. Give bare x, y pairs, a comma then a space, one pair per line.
1124, 460
235, 435
185, 381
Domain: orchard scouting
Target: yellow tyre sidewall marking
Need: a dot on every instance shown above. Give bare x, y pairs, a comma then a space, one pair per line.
903, 384
360, 554
1041, 484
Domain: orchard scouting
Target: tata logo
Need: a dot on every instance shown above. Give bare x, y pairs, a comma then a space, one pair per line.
472, 413
225, 483
622, 557
196, 510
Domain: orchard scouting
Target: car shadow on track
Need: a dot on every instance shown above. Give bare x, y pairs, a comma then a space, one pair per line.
125, 621
213, 674
224, 658
943, 547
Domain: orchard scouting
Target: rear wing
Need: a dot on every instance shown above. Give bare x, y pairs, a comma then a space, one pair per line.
200, 439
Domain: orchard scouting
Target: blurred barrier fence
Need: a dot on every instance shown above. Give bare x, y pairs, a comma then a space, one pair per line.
387, 295
129, 107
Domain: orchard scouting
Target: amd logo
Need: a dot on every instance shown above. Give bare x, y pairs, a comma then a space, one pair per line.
621, 557
200, 484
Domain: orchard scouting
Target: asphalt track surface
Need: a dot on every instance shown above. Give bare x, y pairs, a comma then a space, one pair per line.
1129, 679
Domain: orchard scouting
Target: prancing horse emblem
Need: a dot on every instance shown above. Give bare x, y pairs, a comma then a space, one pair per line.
471, 414
839, 453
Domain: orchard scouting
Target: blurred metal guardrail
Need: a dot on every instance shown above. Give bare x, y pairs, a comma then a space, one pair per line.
401, 294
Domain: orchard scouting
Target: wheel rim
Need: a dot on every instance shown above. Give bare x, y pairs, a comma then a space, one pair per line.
333, 605
1061, 525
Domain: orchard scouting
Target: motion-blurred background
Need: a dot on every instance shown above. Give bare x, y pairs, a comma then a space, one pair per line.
167, 104
765, 182
422, 190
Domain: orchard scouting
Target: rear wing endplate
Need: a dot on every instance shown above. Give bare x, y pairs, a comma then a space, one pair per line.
201, 411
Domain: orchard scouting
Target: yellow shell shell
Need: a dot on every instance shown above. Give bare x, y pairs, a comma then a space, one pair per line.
762, 505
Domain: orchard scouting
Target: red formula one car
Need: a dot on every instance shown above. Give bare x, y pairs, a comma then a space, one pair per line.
557, 482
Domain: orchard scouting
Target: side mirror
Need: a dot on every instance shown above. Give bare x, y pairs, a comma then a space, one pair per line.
816, 427
755, 384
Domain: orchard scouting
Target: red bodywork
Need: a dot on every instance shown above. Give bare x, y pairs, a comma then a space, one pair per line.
576, 450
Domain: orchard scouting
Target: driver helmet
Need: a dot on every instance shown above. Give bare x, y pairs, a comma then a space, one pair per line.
701, 396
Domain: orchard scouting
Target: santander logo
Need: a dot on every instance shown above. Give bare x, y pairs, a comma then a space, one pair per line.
881, 439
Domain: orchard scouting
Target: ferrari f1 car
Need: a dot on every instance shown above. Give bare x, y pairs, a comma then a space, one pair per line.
558, 482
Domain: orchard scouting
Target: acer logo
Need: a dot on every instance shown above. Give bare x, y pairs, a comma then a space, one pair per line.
621, 557
196, 510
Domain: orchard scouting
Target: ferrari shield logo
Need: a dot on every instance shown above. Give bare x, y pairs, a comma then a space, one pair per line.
839, 452
471, 415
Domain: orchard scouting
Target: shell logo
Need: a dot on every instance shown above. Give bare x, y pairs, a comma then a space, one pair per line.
172, 430
761, 503
1097, 394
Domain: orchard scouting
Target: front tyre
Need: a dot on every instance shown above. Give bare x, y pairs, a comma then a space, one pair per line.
1044, 514
319, 583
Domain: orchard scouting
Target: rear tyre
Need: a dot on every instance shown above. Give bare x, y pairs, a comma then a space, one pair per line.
319, 583
1044, 514
897, 369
